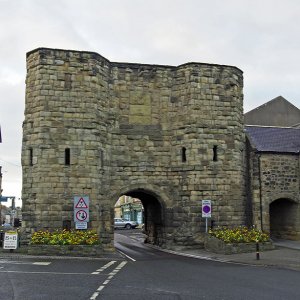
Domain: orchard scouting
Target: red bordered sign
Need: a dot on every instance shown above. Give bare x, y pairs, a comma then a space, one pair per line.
81, 209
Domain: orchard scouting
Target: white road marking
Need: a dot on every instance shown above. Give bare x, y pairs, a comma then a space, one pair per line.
121, 265
126, 255
12, 262
41, 263
104, 267
54, 273
94, 296
114, 272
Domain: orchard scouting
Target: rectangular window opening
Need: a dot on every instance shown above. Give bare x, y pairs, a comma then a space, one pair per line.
215, 153
67, 156
101, 155
183, 154
30, 157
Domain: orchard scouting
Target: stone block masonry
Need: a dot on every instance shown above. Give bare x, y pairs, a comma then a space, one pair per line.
169, 135
275, 193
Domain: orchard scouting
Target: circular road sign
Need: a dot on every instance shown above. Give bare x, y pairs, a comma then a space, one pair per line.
206, 208
81, 215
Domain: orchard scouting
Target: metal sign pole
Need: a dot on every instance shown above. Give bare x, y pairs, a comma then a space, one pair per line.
206, 212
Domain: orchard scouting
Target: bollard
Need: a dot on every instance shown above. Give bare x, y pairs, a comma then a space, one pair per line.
257, 251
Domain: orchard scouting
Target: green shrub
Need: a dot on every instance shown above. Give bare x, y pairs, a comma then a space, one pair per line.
239, 234
65, 237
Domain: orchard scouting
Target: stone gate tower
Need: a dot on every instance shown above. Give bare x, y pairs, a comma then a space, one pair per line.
170, 136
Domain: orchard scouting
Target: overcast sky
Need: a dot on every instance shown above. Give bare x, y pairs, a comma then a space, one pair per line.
261, 37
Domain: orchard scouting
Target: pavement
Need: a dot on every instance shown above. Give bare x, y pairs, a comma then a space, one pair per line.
285, 255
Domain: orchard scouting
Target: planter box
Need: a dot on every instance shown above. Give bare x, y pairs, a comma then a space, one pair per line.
215, 245
69, 250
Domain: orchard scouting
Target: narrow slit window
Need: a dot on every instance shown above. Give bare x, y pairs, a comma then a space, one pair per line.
67, 156
30, 157
68, 81
183, 154
215, 153
101, 158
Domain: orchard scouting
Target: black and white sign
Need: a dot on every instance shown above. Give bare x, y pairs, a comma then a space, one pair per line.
10, 240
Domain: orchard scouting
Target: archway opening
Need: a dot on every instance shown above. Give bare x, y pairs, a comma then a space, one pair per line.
283, 219
128, 209
144, 208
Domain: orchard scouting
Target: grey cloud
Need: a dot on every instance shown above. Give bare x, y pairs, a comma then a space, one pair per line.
259, 37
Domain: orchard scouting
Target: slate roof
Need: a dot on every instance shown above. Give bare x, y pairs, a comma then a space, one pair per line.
274, 139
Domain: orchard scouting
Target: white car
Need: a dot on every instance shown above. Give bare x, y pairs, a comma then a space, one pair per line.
122, 223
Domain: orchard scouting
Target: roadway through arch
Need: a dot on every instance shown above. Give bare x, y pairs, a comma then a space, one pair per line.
153, 215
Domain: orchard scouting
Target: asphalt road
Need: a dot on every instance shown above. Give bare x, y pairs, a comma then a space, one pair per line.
153, 274
141, 272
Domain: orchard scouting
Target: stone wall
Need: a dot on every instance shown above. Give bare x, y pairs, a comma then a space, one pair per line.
215, 245
173, 135
275, 194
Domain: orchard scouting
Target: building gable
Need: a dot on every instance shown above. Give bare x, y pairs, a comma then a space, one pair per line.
277, 112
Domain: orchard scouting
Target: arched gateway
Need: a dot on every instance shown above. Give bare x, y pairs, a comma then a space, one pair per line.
155, 208
284, 219
171, 136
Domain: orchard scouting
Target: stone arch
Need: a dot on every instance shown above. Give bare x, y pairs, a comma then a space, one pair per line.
155, 190
155, 203
275, 196
284, 217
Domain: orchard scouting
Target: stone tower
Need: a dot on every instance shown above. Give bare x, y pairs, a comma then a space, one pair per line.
170, 136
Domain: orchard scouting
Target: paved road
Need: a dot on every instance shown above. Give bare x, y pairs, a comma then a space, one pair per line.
37, 278
156, 275
140, 273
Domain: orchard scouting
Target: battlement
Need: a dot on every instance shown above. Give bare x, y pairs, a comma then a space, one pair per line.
97, 56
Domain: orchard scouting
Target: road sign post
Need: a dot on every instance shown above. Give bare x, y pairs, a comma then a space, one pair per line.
10, 240
81, 211
206, 212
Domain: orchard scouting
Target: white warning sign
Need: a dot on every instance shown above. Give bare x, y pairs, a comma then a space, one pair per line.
81, 203
81, 208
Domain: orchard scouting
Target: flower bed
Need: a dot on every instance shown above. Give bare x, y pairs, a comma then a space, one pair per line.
65, 237
64, 242
236, 240
241, 234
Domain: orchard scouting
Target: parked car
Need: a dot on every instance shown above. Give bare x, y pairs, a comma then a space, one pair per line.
6, 227
122, 223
